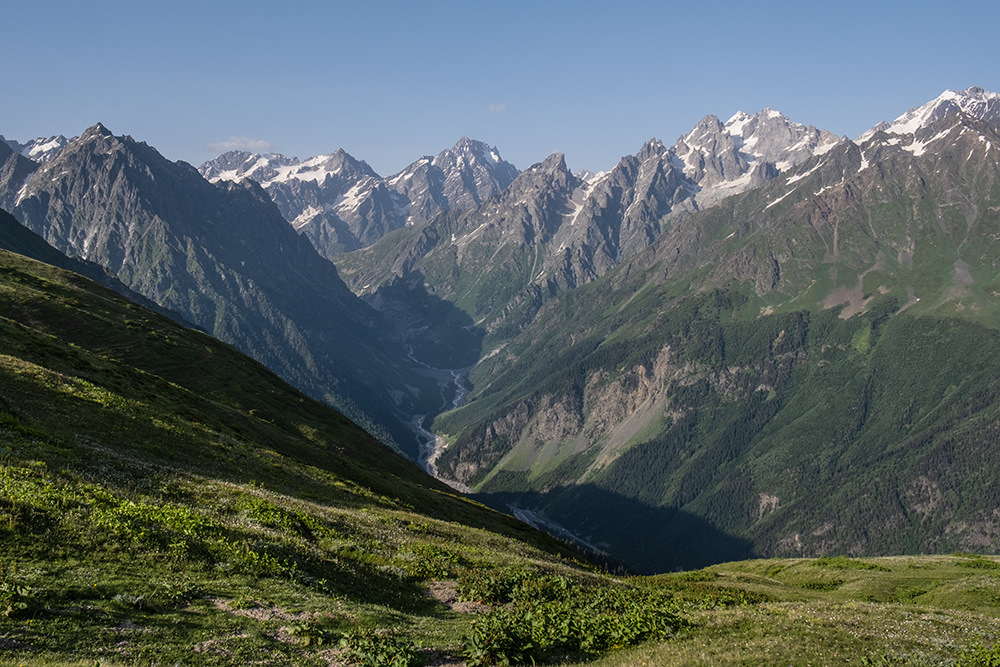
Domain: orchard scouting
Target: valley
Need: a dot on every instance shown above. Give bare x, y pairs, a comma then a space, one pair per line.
736, 389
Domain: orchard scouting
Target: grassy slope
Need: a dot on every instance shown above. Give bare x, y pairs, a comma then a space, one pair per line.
926, 610
148, 473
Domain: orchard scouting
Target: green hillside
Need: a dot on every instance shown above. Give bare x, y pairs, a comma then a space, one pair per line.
928, 611
166, 500
164, 497
805, 369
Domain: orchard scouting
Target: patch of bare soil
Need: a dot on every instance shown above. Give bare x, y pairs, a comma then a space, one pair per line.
213, 645
334, 657
129, 626
446, 592
260, 613
853, 297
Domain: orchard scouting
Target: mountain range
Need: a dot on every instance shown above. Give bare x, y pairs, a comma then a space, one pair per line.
341, 204
762, 340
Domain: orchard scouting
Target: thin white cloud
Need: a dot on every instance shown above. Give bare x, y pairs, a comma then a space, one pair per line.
242, 144
497, 108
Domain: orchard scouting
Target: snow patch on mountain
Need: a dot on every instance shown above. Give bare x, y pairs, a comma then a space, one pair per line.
975, 102
722, 159
798, 177
40, 150
920, 147
341, 204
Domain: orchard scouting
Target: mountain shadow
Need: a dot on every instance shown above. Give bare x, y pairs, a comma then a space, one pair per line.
17, 238
643, 538
435, 332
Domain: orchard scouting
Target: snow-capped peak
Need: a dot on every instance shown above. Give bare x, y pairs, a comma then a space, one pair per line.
482, 151
722, 159
973, 101
40, 150
736, 124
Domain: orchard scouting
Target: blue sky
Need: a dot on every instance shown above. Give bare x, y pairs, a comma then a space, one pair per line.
392, 81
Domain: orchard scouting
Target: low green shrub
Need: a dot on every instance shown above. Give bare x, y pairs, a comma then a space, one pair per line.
435, 562
821, 585
979, 656
314, 631
380, 648
491, 586
707, 596
845, 563
576, 622
15, 596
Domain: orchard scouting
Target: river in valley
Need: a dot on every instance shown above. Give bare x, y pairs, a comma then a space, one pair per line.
454, 388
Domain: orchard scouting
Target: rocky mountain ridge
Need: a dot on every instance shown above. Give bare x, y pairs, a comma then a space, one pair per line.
638, 342
341, 204
551, 230
975, 102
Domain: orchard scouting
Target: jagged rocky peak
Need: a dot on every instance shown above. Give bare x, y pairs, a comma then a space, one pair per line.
477, 166
477, 150
97, 131
552, 170
555, 162
652, 148
722, 159
542, 183
271, 168
84, 144
770, 136
709, 153
97, 141
707, 135
975, 102
459, 178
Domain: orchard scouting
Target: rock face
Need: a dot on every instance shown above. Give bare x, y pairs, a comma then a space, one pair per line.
222, 256
341, 204
14, 172
17, 238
